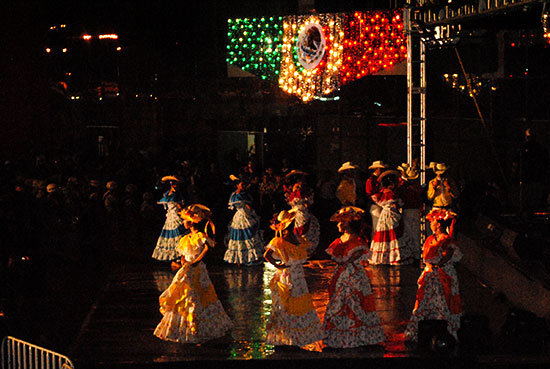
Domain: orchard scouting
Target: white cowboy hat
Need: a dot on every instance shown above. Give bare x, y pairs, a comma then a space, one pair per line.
440, 168
347, 166
378, 164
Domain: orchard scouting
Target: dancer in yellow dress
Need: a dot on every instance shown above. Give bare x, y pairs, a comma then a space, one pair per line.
192, 312
293, 319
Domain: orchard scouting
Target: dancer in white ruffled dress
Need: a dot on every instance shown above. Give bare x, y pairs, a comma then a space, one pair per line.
173, 229
244, 241
389, 243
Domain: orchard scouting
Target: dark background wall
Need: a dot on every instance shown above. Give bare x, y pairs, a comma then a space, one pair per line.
174, 88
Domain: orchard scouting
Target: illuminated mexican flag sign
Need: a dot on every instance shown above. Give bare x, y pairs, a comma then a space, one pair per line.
312, 56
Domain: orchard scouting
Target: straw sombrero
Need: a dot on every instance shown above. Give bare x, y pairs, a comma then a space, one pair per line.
347, 214
282, 220
196, 213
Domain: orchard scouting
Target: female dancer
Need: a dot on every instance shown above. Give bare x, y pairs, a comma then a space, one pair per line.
190, 307
438, 295
244, 241
293, 319
173, 229
389, 245
351, 319
300, 197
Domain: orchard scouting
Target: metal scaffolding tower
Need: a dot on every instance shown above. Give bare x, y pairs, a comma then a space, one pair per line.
416, 94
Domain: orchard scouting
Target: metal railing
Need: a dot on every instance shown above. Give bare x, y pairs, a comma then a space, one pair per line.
18, 354
447, 13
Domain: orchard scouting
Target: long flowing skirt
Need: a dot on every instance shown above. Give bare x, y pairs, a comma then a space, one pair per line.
190, 307
172, 231
244, 241
293, 319
432, 304
389, 244
351, 319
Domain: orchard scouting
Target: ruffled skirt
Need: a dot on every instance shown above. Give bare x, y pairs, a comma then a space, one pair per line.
389, 244
191, 310
172, 231
433, 304
244, 241
293, 320
351, 319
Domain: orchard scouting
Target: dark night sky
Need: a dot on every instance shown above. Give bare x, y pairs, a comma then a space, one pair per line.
155, 27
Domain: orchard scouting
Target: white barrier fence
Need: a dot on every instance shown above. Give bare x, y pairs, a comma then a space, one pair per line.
18, 354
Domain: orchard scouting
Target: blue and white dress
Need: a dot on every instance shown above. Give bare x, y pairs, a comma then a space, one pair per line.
173, 229
244, 241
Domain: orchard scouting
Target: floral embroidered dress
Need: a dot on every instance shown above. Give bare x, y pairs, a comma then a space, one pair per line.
244, 241
351, 319
293, 320
173, 229
438, 295
190, 307
389, 245
305, 223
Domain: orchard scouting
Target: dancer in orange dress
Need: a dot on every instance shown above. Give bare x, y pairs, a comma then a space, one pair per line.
438, 295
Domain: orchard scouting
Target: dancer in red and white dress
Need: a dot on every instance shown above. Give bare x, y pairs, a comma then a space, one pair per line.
351, 319
389, 244
438, 295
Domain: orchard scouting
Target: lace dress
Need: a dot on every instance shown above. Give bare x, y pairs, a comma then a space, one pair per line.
192, 312
389, 244
244, 240
351, 319
293, 320
173, 229
438, 295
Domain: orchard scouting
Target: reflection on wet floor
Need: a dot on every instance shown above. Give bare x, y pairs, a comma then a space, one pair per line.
120, 327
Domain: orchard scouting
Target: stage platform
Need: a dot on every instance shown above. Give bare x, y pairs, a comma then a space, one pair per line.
118, 331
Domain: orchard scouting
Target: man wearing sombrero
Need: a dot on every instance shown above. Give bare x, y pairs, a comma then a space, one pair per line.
442, 190
346, 191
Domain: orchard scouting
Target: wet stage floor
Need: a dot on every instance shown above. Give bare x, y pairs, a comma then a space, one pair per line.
119, 328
